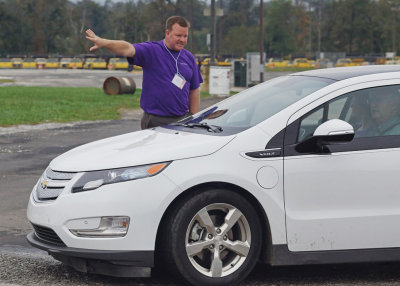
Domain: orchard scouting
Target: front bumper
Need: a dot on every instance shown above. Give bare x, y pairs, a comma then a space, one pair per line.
143, 201
116, 263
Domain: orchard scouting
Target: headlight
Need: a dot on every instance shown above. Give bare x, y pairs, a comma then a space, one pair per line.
93, 180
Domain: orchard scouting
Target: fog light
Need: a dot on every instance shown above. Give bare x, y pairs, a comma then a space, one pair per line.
114, 226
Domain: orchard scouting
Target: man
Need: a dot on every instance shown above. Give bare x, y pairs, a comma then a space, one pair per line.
385, 110
171, 77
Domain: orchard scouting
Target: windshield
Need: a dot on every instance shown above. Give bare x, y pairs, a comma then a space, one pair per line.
256, 104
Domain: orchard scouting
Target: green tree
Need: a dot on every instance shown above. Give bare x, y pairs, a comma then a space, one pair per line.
279, 28
238, 46
231, 27
349, 26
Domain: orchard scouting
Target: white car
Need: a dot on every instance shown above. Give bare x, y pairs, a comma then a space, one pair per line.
300, 169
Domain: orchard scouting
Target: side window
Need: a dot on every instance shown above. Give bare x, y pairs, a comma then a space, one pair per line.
310, 123
384, 103
372, 112
342, 108
338, 108
359, 115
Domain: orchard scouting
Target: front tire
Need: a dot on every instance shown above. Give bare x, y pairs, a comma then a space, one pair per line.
212, 238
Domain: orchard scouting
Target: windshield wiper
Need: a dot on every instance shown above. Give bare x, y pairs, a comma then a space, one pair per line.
212, 128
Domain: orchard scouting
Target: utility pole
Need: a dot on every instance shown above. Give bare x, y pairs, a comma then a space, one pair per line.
261, 41
192, 26
319, 25
212, 33
395, 8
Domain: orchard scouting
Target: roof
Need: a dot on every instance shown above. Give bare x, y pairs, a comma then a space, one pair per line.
342, 73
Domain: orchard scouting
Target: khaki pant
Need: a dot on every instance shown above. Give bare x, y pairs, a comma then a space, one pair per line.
151, 120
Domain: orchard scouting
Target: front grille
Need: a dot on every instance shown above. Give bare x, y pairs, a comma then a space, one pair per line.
47, 235
51, 184
54, 175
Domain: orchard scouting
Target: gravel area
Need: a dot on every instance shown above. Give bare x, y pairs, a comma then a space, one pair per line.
28, 266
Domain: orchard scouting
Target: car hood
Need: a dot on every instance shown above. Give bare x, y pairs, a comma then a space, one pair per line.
138, 148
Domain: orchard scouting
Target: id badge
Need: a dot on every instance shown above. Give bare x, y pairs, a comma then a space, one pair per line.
179, 81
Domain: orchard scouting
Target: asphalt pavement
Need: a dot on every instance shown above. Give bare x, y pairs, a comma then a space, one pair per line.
65, 77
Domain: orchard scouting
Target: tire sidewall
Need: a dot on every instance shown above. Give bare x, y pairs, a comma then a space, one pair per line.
181, 221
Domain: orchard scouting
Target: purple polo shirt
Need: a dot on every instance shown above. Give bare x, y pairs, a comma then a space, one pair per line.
159, 95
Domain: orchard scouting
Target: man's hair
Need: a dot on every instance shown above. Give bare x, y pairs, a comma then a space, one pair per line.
176, 20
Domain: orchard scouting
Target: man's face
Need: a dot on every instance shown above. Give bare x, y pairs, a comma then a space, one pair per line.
383, 106
176, 38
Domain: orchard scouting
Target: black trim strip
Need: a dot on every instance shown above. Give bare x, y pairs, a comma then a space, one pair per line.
134, 258
357, 144
281, 255
267, 153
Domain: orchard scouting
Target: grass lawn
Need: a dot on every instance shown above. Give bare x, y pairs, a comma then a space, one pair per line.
33, 105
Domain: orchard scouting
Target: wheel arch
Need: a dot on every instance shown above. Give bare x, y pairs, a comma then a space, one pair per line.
266, 250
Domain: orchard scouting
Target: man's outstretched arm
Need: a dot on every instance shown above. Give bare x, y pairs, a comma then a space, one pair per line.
121, 48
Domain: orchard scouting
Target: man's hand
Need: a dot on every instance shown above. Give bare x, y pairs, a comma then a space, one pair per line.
120, 48
91, 36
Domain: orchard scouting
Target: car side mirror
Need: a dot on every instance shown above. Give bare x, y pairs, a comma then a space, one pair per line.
331, 132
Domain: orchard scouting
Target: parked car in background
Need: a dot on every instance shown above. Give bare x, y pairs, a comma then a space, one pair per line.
392, 62
288, 172
206, 62
301, 63
359, 62
277, 63
75, 63
118, 64
52, 63
64, 63
16, 63
29, 63
5, 63
225, 63
98, 63
344, 62
88, 63
40, 63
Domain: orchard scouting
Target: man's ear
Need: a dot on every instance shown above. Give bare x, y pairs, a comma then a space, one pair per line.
166, 32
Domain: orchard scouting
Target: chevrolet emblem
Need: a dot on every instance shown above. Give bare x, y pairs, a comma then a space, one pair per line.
44, 184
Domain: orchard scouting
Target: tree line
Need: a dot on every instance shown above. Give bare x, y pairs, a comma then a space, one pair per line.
291, 27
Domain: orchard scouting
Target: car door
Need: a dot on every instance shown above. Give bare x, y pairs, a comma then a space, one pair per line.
346, 196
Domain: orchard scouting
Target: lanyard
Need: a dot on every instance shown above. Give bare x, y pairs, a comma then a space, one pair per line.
176, 60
